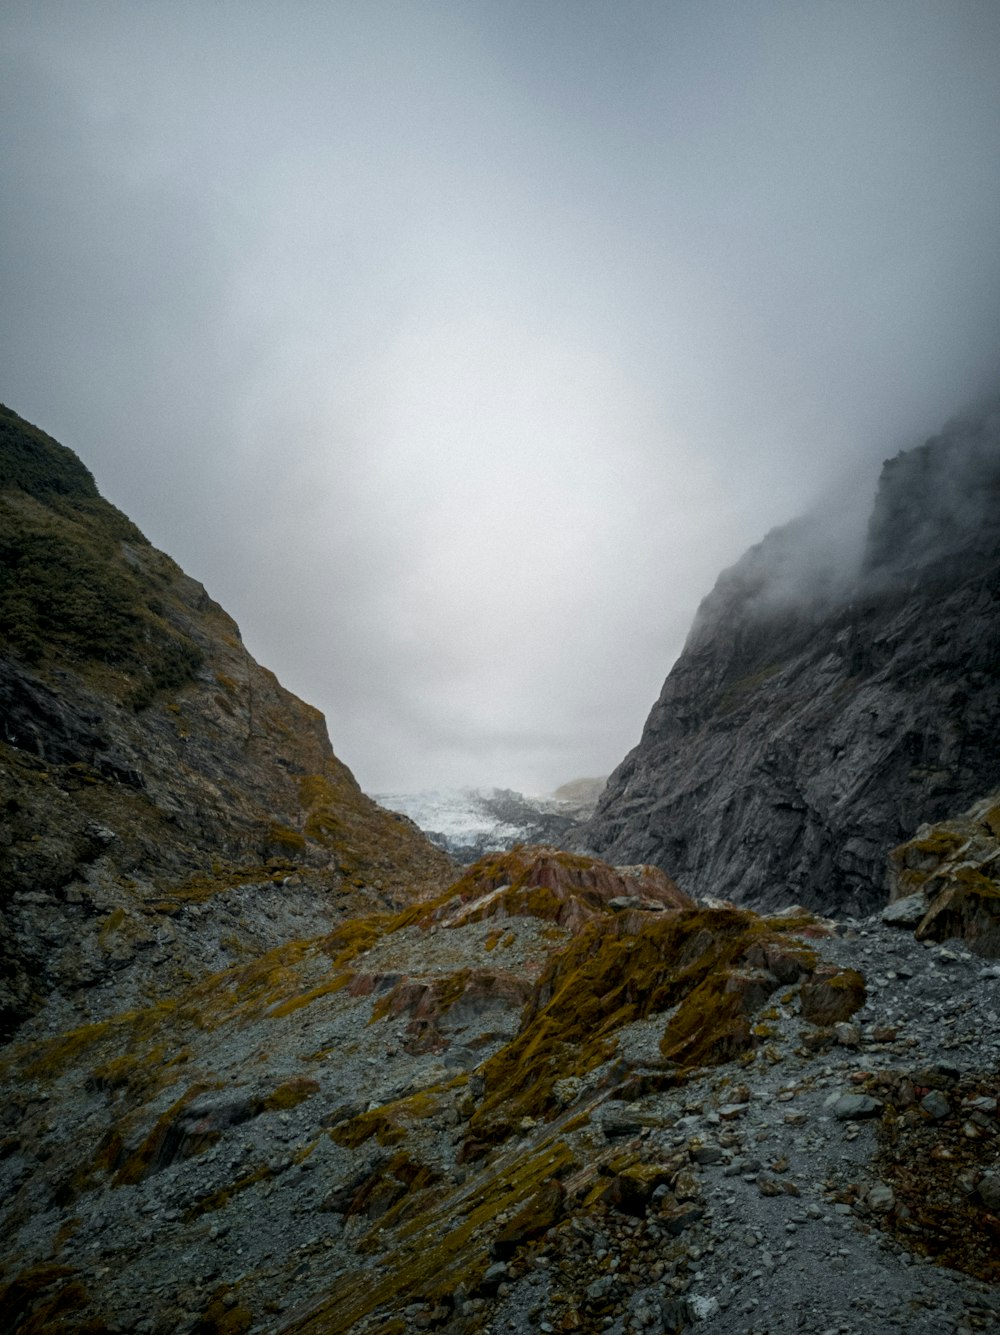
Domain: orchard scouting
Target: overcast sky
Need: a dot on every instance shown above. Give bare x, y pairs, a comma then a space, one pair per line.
456, 345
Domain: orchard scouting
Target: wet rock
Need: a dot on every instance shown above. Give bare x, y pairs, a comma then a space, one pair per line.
881, 1198
619, 1119
941, 1075
906, 912
494, 1277
988, 1190
706, 1153
769, 1186
631, 1190
600, 1293
851, 1107
679, 1217
935, 1105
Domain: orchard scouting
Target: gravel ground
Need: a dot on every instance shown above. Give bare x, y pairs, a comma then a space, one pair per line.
787, 1218
775, 1250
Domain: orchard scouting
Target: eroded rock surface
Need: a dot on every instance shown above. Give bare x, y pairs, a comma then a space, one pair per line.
818, 715
146, 760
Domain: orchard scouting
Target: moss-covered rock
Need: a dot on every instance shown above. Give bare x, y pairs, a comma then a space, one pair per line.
952, 871
832, 995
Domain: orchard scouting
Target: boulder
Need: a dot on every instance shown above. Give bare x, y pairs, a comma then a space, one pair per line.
831, 995
851, 1107
951, 871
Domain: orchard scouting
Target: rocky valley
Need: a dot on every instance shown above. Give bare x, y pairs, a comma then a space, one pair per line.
469, 822
728, 1058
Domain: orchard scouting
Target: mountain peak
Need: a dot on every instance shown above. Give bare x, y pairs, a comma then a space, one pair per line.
824, 705
145, 757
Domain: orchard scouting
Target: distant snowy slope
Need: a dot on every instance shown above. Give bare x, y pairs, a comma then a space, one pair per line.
468, 822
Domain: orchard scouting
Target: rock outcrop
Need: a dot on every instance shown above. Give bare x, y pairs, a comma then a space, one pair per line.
146, 761
817, 714
412, 1094
945, 881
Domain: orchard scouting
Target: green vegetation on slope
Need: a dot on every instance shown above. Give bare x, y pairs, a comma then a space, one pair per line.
38, 465
67, 586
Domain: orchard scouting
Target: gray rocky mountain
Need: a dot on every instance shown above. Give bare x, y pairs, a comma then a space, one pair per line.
820, 712
147, 762
273, 1070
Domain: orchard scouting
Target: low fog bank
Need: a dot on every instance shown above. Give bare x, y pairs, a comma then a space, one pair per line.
457, 347
940, 500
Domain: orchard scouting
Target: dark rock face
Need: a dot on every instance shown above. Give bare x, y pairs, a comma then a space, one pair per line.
141, 747
816, 717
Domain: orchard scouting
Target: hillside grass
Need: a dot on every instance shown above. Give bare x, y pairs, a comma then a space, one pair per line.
68, 589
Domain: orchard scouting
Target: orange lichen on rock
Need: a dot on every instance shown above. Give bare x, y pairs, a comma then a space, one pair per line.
566, 888
388, 1123
445, 1245
390, 1190
967, 907
952, 871
288, 1095
165, 1142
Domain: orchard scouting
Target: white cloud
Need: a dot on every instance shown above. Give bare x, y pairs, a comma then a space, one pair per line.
457, 347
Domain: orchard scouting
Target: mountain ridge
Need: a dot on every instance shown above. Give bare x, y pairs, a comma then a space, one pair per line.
142, 749
468, 822
813, 721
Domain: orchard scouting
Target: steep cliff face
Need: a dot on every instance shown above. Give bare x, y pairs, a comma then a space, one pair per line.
145, 758
819, 714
